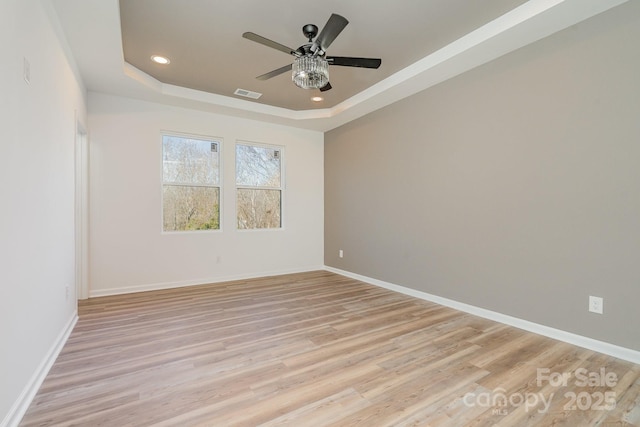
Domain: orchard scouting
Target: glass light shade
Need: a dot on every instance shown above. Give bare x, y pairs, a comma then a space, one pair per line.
310, 72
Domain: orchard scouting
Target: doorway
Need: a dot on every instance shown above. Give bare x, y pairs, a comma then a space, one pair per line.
82, 212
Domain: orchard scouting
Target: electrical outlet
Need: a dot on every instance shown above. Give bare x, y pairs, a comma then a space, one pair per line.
341, 253
596, 304
66, 292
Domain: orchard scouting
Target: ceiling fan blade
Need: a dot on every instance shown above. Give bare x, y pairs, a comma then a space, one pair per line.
274, 73
332, 28
270, 43
354, 62
325, 87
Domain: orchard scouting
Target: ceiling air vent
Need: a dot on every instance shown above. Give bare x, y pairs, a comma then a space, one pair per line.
247, 93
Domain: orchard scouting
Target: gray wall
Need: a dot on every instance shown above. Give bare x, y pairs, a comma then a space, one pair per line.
514, 187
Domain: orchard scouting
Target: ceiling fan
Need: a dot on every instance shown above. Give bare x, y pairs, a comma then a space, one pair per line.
310, 68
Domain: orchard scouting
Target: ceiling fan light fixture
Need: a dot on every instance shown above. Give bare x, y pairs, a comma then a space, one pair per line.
310, 72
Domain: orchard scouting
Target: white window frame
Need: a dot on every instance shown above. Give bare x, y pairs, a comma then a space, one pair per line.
281, 188
219, 186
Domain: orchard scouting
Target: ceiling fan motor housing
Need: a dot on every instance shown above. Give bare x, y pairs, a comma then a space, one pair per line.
310, 31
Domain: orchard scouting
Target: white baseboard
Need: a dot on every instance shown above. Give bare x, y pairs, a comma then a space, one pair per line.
19, 408
195, 282
568, 337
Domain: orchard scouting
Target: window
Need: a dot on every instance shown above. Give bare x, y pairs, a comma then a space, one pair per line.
190, 183
258, 186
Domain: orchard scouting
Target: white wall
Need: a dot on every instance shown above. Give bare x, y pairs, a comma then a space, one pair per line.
38, 122
129, 252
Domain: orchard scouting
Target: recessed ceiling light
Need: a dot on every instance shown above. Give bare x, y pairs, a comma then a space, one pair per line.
160, 59
317, 99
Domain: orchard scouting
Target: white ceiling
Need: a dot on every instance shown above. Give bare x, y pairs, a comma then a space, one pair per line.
204, 40
421, 43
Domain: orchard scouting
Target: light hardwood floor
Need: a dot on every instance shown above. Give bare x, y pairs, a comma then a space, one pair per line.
316, 349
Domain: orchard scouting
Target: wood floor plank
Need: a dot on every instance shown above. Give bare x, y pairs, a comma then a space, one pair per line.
313, 349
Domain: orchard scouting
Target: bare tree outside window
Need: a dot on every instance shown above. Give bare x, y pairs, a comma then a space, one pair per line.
190, 183
259, 186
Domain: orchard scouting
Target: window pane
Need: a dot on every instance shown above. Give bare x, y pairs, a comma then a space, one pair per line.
191, 208
190, 161
258, 208
257, 166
